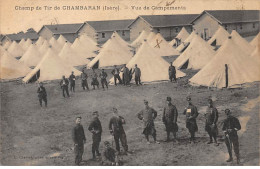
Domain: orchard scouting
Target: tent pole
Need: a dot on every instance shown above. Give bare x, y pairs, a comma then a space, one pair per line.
226, 73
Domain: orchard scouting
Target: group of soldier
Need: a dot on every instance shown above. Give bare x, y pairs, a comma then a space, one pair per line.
170, 115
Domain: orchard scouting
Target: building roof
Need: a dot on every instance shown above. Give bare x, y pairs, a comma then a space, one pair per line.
63, 28
232, 16
167, 20
110, 25
21, 35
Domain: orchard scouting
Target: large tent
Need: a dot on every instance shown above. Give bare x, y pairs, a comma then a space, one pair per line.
112, 53
153, 67
51, 67
32, 56
231, 59
15, 50
85, 46
242, 43
161, 46
196, 56
256, 41
44, 47
184, 44
71, 57
182, 36
219, 37
11, 68
138, 41
55, 45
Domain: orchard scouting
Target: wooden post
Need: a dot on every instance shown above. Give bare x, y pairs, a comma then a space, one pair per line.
226, 73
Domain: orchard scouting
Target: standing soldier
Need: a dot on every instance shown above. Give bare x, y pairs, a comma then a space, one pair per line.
230, 127
72, 79
42, 94
79, 140
94, 80
96, 129
191, 115
116, 72
211, 122
148, 115
172, 72
64, 83
117, 130
103, 77
137, 72
170, 115
126, 75
84, 81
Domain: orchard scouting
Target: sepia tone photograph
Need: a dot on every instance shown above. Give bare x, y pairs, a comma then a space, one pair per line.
129, 82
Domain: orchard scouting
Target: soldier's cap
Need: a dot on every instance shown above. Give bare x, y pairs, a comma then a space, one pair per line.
72, 72
106, 143
103, 69
79, 117
188, 98
135, 64
95, 112
145, 101
169, 99
210, 100
227, 111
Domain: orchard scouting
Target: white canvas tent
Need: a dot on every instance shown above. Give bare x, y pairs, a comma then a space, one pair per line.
32, 56
182, 36
153, 67
240, 68
11, 68
27, 44
40, 41
113, 53
196, 56
161, 46
256, 41
51, 67
15, 49
55, 45
188, 40
219, 37
71, 57
138, 41
242, 43
61, 40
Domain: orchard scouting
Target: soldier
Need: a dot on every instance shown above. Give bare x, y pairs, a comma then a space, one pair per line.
110, 155
79, 140
126, 75
211, 122
230, 127
116, 72
96, 129
172, 72
191, 115
84, 81
170, 115
72, 80
148, 115
64, 83
117, 130
42, 95
94, 80
103, 77
137, 72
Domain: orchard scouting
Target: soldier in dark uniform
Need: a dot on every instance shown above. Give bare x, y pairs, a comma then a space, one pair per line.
84, 81
64, 83
126, 75
103, 77
79, 140
116, 72
42, 95
148, 115
191, 115
170, 115
137, 72
230, 127
117, 130
72, 79
94, 80
172, 72
96, 129
110, 155
211, 122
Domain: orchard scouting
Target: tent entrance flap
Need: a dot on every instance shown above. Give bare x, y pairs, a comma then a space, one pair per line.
35, 77
185, 65
214, 43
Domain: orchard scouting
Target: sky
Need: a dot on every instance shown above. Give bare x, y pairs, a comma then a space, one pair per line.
14, 18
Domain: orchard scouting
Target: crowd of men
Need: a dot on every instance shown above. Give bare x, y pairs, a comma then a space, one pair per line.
170, 118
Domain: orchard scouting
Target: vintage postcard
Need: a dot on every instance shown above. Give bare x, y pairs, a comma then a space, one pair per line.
129, 82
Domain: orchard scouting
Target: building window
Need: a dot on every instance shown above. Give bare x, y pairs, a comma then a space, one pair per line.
176, 30
226, 27
103, 35
123, 33
158, 30
253, 25
241, 27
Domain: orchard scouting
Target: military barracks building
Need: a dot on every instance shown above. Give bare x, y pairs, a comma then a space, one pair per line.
33, 36
101, 31
167, 25
69, 31
245, 22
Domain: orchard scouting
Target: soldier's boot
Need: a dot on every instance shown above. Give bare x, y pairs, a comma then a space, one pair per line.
175, 138
93, 155
230, 157
98, 154
238, 159
210, 141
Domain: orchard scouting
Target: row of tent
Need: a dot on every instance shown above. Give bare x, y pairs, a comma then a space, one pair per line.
146, 51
